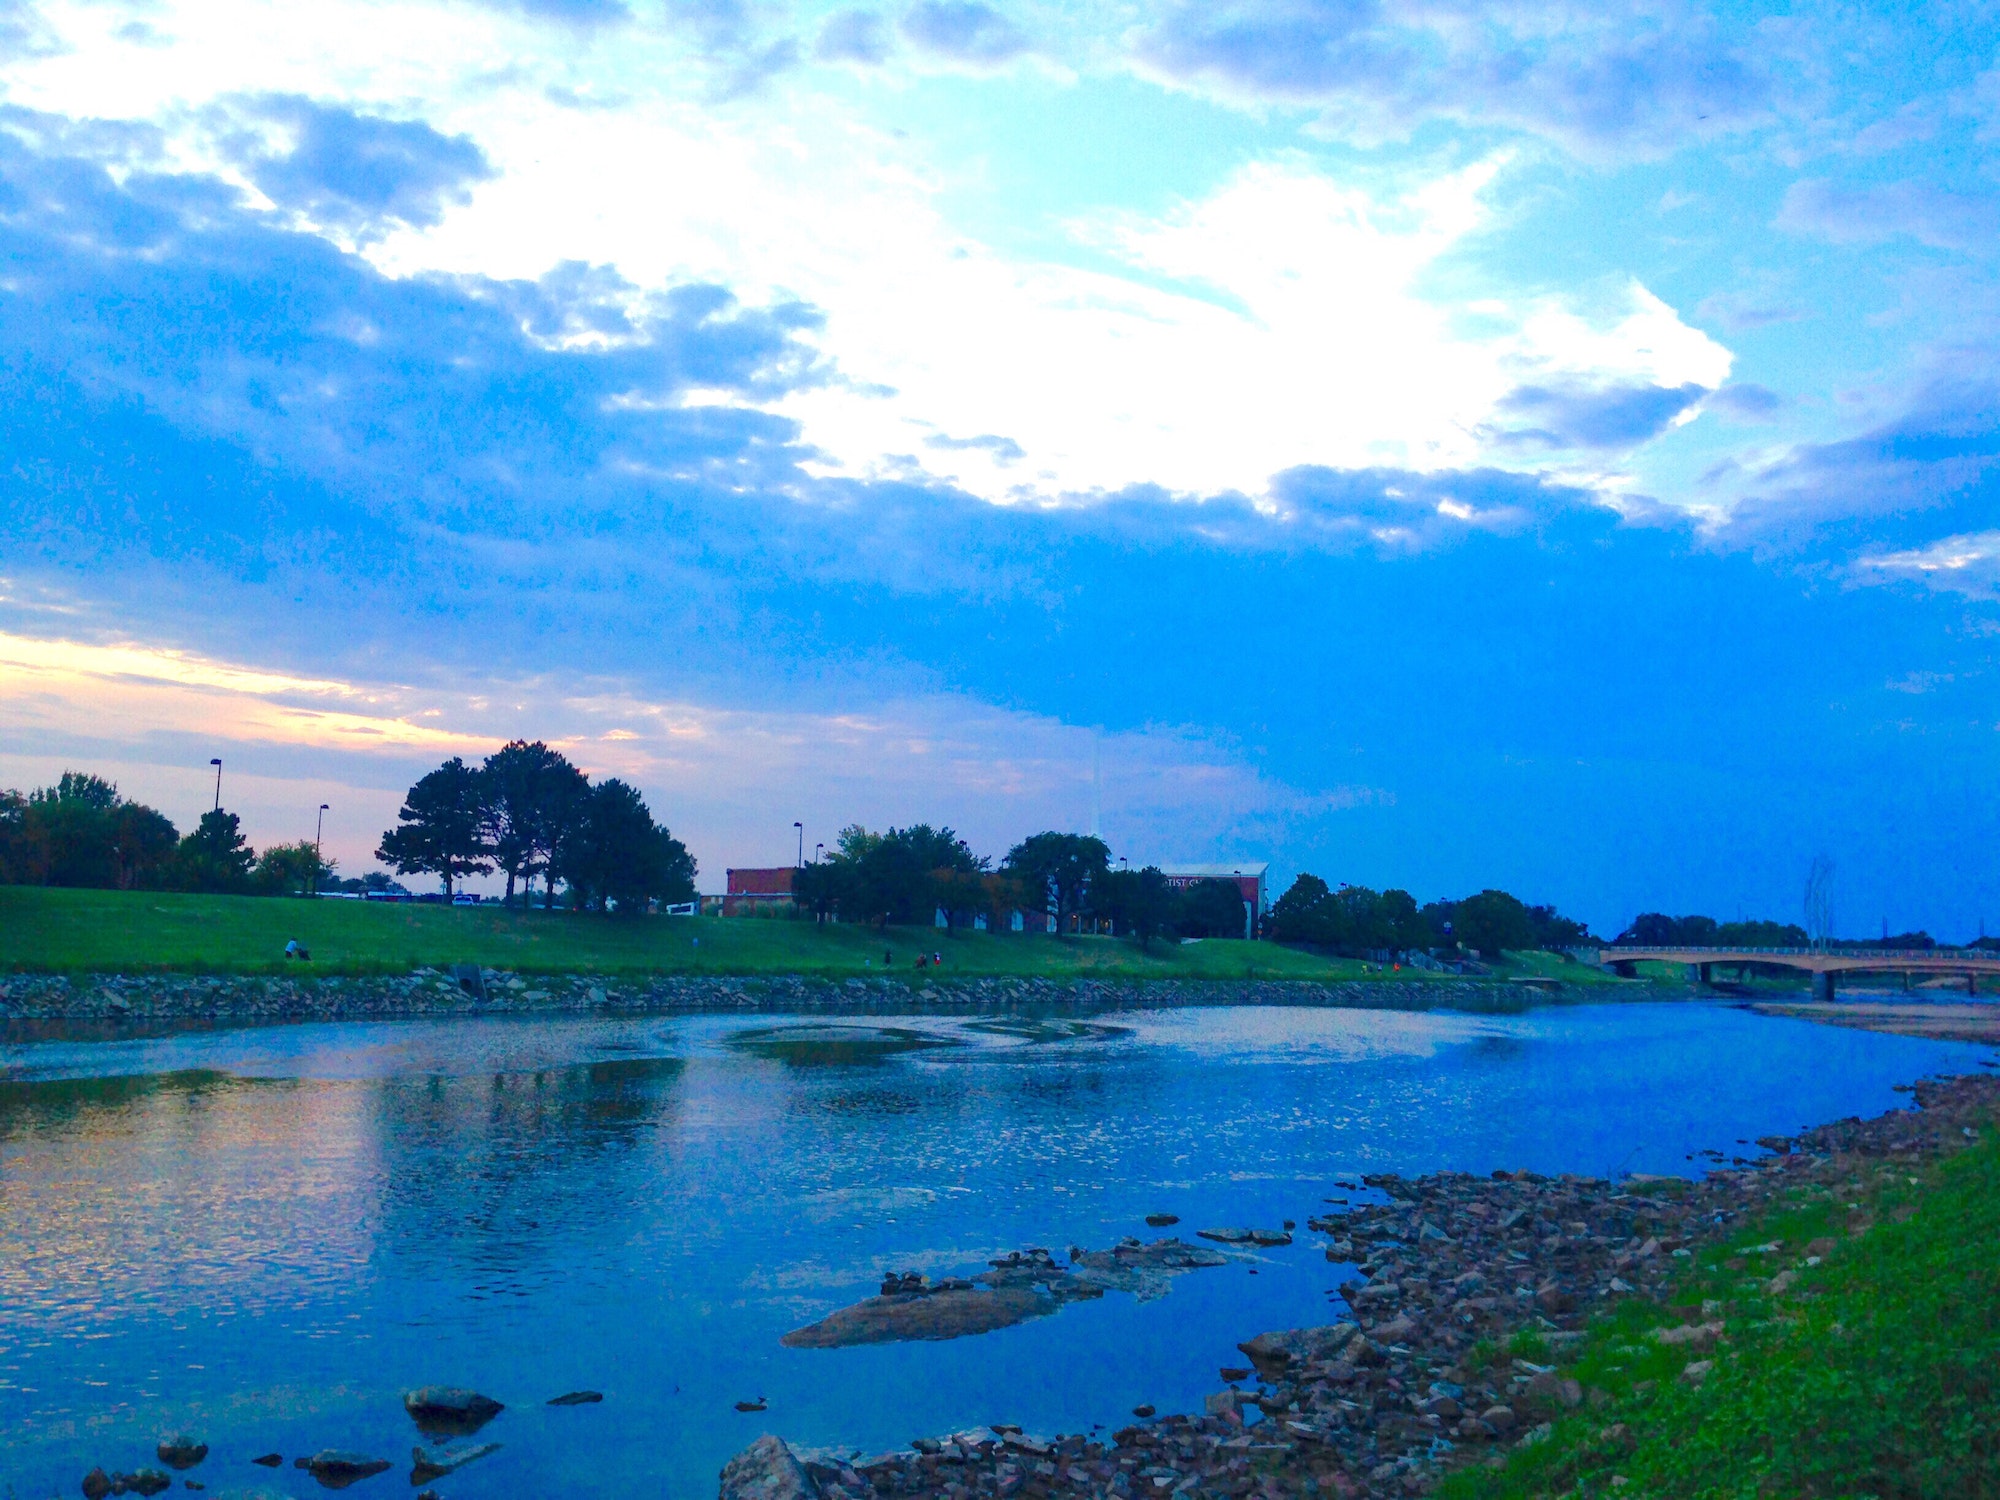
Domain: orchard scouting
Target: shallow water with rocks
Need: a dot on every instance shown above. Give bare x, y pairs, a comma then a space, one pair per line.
264, 1237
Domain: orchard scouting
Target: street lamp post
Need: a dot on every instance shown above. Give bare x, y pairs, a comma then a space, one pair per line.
802, 842
217, 763
819, 853
319, 866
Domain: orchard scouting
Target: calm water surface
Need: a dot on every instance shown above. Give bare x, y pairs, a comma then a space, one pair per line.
265, 1235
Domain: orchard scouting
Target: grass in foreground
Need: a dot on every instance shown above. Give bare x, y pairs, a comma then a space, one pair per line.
1873, 1376
69, 931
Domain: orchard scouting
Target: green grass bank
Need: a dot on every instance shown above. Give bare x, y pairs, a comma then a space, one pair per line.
138, 932
1866, 1367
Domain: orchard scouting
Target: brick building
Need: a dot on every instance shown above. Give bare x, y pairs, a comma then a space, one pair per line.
1247, 878
751, 891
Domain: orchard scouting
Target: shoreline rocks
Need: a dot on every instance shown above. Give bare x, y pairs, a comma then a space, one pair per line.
767, 1470
134, 999
1415, 1380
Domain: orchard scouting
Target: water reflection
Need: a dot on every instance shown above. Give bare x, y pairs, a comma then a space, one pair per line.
269, 1234
512, 1168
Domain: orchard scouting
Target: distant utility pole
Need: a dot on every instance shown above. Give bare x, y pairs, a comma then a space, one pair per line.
1096, 786
319, 865
802, 843
217, 763
1819, 901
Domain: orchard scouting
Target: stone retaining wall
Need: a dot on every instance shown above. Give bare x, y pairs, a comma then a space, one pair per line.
432, 992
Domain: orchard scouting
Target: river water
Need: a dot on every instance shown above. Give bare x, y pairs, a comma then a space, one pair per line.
265, 1235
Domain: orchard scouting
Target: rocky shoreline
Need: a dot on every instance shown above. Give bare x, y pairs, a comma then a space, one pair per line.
468, 991
1414, 1380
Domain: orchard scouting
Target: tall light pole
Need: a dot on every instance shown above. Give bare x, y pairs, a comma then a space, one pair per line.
819, 853
802, 843
217, 763
319, 867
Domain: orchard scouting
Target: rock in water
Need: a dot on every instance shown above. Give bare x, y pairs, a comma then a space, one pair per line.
337, 1469
937, 1315
449, 1410
427, 1464
576, 1398
1161, 1221
96, 1485
766, 1470
181, 1451
146, 1482
1246, 1236
269, 1460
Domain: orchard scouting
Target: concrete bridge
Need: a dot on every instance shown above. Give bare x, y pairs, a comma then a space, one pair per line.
1823, 964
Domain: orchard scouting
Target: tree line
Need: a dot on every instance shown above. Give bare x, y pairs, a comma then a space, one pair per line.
1355, 921
1652, 929
81, 832
529, 813
913, 875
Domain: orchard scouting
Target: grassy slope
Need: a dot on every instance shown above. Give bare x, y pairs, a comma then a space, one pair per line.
131, 932
1875, 1376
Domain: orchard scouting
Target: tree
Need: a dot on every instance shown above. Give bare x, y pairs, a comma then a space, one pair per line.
1057, 870
1492, 923
1553, 930
1403, 923
74, 818
614, 857
80, 832
1137, 903
1212, 909
962, 895
441, 827
1351, 920
903, 876
530, 795
24, 858
1653, 929
817, 888
1305, 913
215, 857
290, 869
1760, 934
142, 845
83, 789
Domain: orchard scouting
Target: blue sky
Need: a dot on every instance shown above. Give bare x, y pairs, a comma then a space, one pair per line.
1435, 446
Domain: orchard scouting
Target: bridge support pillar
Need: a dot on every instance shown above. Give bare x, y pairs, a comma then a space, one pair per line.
1972, 985
1822, 986
1707, 973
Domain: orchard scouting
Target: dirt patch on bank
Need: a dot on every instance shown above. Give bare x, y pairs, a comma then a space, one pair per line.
1939, 1023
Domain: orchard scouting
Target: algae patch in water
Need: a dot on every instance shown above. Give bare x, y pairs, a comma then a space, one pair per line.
822, 1046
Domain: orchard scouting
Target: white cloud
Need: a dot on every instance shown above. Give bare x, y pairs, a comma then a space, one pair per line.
1284, 318
729, 781
1967, 564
